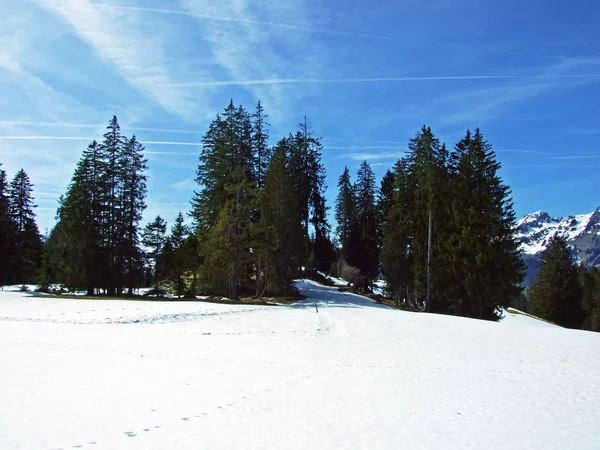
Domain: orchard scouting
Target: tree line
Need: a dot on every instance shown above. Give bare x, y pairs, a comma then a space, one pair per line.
21, 244
439, 228
563, 292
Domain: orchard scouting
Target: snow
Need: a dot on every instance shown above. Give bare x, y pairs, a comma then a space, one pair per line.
151, 375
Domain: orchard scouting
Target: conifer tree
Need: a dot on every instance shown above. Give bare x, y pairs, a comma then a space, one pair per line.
131, 167
111, 153
308, 181
396, 251
27, 240
484, 259
384, 202
5, 229
153, 237
260, 144
345, 210
179, 234
362, 246
556, 294
282, 223
426, 168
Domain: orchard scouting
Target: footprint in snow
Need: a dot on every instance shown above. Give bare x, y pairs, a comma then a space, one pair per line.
185, 419
130, 434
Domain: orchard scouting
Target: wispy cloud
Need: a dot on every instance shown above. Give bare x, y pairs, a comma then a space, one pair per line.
272, 81
97, 126
371, 156
83, 138
187, 185
577, 157
136, 51
246, 20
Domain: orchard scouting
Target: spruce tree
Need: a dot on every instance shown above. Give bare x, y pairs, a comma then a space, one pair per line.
153, 238
260, 144
308, 181
179, 234
110, 184
282, 223
556, 294
484, 266
396, 251
362, 246
27, 240
6, 229
345, 210
426, 169
131, 168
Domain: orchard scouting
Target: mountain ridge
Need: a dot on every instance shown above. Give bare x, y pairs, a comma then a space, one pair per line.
581, 231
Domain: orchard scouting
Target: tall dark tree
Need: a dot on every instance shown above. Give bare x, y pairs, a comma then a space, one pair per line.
282, 223
131, 167
484, 261
384, 203
5, 229
308, 181
345, 210
260, 144
27, 240
556, 294
111, 153
396, 251
362, 246
154, 238
179, 233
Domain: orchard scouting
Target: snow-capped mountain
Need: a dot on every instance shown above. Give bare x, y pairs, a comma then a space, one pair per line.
581, 231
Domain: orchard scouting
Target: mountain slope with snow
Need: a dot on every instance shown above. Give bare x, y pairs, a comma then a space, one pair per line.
187, 375
582, 232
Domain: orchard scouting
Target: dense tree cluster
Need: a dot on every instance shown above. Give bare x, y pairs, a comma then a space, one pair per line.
439, 228
441, 223
564, 293
259, 214
95, 244
21, 244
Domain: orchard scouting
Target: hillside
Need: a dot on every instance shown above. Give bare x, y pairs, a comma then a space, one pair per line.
580, 231
130, 374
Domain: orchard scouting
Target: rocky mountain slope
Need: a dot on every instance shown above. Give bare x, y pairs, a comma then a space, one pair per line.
581, 231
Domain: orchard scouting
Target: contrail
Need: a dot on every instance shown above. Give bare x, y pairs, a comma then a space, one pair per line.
171, 153
81, 138
177, 12
91, 126
376, 80
363, 147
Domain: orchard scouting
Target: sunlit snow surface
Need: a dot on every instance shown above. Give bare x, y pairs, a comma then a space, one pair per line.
178, 375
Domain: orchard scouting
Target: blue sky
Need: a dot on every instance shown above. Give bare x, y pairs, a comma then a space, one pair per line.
367, 74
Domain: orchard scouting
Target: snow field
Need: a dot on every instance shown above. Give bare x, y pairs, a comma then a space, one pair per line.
155, 375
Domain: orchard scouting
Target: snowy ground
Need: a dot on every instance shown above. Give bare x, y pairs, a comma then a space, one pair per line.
156, 375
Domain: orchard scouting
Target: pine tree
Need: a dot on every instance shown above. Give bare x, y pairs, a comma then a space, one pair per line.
110, 183
484, 265
308, 181
27, 240
5, 229
362, 246
179, 234
556, 294
260, 144
282, 223
396, 251
384, 202
153, 237
345, 210
131, 168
